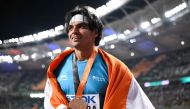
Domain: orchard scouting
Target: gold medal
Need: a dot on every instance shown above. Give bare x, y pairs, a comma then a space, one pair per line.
78, 103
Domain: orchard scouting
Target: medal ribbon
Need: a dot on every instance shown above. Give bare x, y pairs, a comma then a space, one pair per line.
85, 74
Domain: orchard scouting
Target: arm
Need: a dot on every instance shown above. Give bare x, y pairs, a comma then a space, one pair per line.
136, 98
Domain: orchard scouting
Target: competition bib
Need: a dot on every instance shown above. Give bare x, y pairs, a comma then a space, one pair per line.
92, 101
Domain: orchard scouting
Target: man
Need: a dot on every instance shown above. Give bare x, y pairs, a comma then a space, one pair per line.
88, 76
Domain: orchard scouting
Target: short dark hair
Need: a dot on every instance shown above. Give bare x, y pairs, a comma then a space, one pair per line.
94, 23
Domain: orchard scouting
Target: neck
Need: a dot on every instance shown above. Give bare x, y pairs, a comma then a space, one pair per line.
83, 54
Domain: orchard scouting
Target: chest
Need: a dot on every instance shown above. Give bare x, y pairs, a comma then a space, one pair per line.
97, 80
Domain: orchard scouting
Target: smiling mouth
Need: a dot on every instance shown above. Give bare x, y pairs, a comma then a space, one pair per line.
75, 38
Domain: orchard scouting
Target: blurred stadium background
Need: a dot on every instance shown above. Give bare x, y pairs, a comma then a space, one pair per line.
152, 37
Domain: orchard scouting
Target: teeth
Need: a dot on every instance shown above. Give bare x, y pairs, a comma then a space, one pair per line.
75, 37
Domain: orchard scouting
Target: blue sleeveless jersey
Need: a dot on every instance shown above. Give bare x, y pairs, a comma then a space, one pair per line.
97, 80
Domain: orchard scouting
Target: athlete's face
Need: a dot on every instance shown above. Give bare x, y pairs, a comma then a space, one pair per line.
80, 35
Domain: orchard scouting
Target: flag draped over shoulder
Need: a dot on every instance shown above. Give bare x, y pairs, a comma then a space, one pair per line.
123, 92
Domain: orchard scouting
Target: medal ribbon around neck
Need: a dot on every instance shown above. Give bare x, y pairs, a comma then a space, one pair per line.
86, 73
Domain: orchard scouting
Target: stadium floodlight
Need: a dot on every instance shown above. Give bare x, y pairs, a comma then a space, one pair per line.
12, 40
175, 10
6, 58
112, 46
156, 49
16, 58
155, 33
9, 59
110, 38
37, 95
43, 35
182, 42
35, 36
133, 34
102, 42
33, 56
92, 10
109, 7
50, 54
132, 40
101, 11
127, 31
57, 32
25, 39
57, 51
145, 24
121, 36
16, 40
59, 28
132, 54
43, 66
5, 41
155, 20
24, 57
52, 57
52, 33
